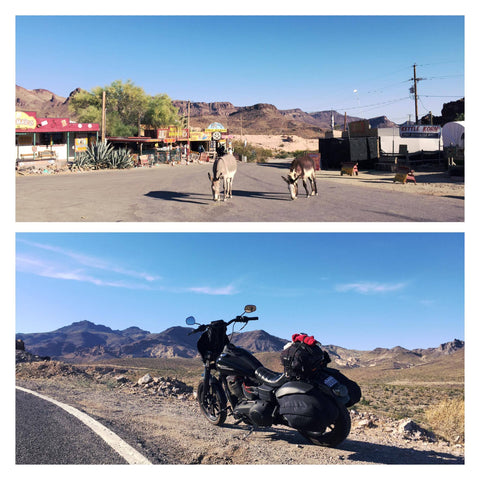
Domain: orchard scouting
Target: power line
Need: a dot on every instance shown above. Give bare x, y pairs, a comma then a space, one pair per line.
388, 102
443, 96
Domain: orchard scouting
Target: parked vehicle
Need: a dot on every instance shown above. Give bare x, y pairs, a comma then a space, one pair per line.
308, 396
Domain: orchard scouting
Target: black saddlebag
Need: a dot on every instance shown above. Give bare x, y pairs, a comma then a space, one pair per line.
311, 410
354, 391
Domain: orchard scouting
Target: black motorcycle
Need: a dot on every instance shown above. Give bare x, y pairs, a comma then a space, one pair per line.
312, 398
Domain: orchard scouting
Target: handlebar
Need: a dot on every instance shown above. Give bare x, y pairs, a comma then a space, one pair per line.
242, 318
239, 318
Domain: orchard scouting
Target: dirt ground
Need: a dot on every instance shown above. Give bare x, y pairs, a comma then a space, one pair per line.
277, 142
172, 430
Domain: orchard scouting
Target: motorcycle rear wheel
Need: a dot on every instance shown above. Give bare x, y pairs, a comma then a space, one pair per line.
214, 404
334, 434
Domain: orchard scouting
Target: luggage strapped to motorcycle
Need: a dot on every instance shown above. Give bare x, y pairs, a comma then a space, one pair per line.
303, 357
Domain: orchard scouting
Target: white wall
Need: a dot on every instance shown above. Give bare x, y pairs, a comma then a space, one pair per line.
390, 140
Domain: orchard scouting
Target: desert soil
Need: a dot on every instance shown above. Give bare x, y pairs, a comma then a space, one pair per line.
172, 430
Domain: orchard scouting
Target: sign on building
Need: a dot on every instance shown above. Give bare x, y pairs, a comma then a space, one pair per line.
81, 144
421, 131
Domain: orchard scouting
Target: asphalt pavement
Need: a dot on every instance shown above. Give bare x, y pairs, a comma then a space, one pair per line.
182, 193
48, 435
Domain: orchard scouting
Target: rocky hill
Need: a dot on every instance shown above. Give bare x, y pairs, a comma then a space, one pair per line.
43, 102
86, 340
262, 118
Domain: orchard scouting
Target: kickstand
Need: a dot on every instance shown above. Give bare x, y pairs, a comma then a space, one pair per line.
250, 430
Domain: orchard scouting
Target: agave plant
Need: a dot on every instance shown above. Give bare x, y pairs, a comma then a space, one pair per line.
82, 161
121, 158
98, 154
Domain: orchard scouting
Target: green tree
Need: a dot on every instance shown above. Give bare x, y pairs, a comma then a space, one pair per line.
161, 112
126, 106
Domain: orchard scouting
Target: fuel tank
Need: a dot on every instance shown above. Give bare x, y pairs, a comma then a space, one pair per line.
237, 361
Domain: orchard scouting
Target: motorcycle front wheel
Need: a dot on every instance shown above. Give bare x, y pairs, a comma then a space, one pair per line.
213, 404
334, 434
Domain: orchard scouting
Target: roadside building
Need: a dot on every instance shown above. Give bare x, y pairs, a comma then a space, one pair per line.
382, 148
47, 140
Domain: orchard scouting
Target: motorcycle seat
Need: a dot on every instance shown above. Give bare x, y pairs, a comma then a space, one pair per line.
269, 377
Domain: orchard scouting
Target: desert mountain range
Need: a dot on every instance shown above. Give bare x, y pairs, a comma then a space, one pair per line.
261, 118
85, 340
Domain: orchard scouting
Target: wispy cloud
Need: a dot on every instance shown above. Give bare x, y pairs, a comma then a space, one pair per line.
370, 288
93, 262
227, 290
76, 267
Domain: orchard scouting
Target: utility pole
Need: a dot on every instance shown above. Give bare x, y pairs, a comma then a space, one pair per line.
415, 88
414, 91
103, 117
188, 130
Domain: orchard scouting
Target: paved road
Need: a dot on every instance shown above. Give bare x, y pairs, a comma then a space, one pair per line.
48, 435
182, 194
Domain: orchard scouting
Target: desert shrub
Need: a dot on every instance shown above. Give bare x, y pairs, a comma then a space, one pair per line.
283, 155
301, 153
447, 419
253, 153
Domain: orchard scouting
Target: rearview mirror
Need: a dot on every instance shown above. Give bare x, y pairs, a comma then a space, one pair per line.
190, 321
250, 308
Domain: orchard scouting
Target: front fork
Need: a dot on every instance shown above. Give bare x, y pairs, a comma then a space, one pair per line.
206, 382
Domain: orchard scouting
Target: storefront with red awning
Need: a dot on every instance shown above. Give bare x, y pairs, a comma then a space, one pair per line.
51, 139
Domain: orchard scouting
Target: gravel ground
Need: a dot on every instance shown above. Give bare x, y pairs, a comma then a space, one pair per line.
170, 430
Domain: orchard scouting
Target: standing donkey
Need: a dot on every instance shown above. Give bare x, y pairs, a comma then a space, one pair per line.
224, 168
301, 168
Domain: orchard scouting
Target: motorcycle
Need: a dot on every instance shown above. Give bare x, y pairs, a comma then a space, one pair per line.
235, 383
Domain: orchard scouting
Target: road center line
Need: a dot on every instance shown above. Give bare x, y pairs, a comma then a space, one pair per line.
132, 456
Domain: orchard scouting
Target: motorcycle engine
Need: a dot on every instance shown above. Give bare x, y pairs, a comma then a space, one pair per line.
252, 402
256, 412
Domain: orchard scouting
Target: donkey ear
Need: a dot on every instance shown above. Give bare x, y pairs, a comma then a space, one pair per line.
285, 179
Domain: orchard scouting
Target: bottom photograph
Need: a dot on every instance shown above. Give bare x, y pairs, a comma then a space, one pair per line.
239, 348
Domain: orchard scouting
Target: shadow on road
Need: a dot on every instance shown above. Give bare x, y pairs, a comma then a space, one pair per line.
179, 197
264, 195
366, 451
204, 199
285, 165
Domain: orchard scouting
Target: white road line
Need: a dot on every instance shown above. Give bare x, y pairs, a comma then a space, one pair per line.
120, 446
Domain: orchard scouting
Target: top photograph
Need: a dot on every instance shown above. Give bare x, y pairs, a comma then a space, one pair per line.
239, 118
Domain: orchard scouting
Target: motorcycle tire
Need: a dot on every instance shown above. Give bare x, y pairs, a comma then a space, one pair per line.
334, 434
214, 404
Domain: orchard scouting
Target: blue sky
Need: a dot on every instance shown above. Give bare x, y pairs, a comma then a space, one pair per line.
356, 290
361, 65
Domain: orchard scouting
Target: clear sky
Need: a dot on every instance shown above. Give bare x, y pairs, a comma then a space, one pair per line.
361, 65
356, 290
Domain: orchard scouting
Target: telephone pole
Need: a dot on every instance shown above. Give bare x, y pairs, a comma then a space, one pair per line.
103, 117
188, 130
414, 90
